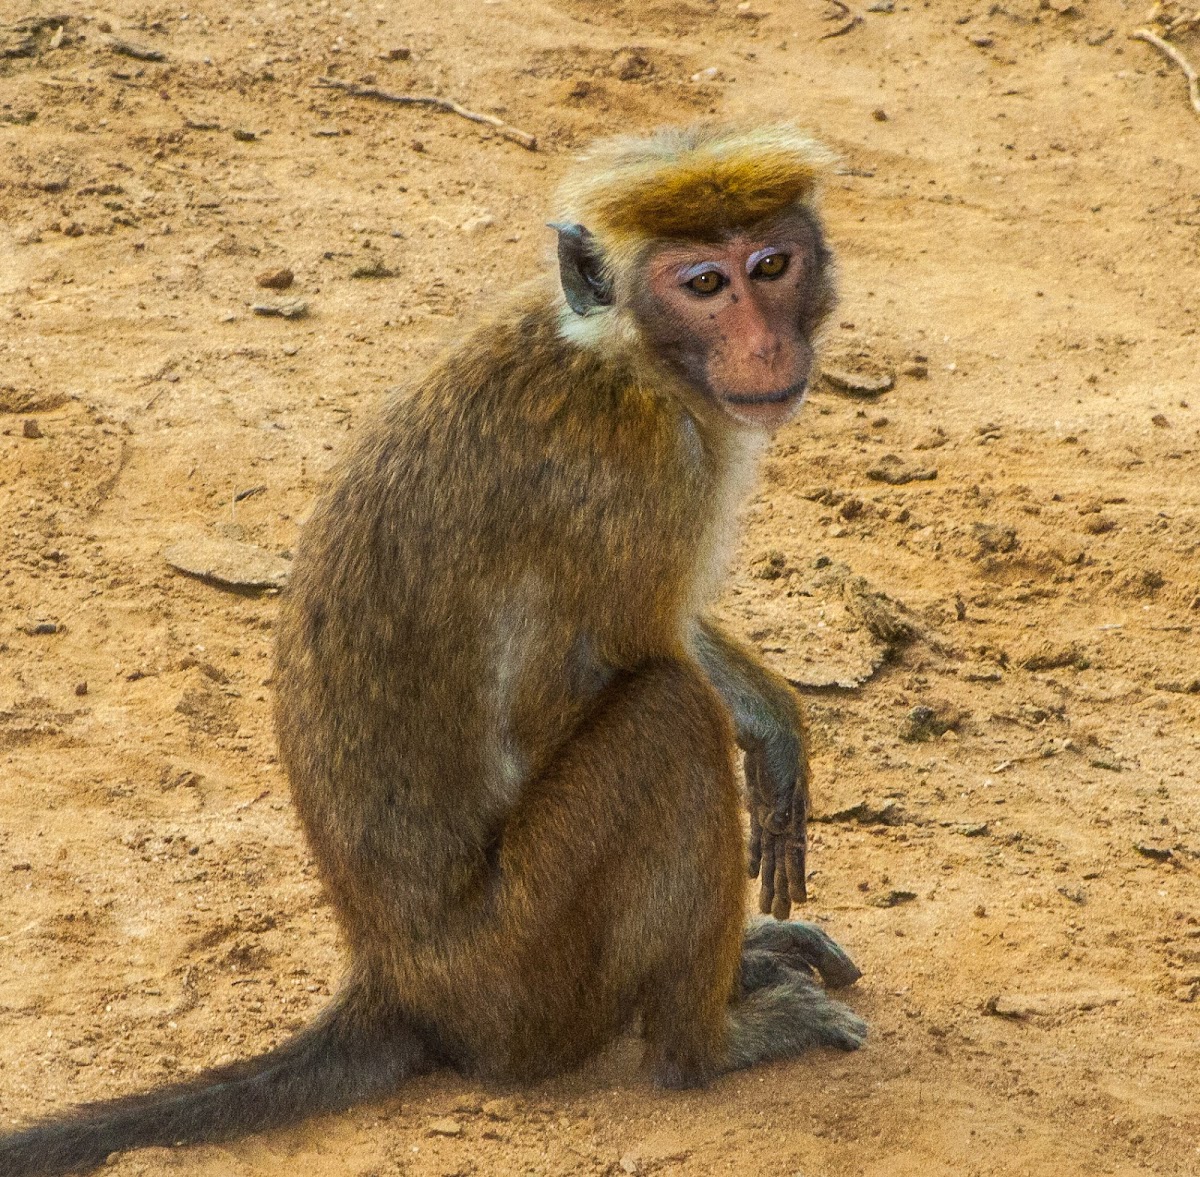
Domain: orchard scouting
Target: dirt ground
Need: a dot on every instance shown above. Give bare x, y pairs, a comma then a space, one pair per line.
1006, 742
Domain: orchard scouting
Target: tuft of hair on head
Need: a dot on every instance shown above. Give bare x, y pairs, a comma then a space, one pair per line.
698, 184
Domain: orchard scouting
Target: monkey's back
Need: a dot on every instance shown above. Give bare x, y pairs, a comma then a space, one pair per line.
497, 542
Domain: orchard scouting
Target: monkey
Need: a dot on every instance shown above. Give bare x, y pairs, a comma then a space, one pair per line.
508, 722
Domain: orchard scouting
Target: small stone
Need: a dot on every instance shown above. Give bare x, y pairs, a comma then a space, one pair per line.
42, 628
22, 866
994, 538
244, 136
893, 899
892, 470
927, 722
867, 813
478, 224
499, 1109
399, 53
227, 562
1054, 1004
972, 829
1161, 421
81, 1056
445, 1127
138, 52
375, 268
467, 1105
981, 40
1154, 853
279, 279
879, 115
1052, 657
81, 689
291, 308
858, 383
31, 429
916, 371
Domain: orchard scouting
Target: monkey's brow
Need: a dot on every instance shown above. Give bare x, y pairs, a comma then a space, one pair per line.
696, 269
758, 255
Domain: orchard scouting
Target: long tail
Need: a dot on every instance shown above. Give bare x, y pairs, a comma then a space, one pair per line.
349, 1055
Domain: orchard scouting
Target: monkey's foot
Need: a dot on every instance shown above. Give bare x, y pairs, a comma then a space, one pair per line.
801, 946
778, 1021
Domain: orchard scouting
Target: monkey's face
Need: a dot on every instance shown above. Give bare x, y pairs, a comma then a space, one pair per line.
735, 319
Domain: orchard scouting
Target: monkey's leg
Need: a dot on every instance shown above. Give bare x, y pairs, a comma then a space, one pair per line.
620, 885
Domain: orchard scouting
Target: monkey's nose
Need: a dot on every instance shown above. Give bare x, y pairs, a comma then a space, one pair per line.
767, 349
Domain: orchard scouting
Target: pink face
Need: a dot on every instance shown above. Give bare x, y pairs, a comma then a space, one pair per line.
735, 319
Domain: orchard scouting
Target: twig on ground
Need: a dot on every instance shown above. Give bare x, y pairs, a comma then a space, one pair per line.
839, 10
1178, 58
841, 29
138, 52
526, 140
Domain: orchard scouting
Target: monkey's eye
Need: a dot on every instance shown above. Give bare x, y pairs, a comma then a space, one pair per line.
708, 282
774, 265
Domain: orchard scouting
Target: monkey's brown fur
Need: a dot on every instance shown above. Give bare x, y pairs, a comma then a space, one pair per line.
508, 727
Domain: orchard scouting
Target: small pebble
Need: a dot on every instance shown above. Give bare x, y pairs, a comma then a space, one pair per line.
499, 1109
31, 429
279, 279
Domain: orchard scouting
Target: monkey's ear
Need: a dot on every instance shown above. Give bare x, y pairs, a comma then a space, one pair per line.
580, 269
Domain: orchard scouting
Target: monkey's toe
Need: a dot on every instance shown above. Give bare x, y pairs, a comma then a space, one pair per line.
804, 947
843, 1029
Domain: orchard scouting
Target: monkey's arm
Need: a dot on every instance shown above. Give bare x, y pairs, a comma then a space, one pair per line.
770, 731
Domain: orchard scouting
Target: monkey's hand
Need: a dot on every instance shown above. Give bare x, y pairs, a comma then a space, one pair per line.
778, 833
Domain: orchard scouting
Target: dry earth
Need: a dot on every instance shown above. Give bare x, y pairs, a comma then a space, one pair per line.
1017, 866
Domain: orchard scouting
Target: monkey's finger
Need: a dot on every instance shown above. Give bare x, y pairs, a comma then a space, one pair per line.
797, 854
782, 906
766, 893
750, 766
797, 850
755, 845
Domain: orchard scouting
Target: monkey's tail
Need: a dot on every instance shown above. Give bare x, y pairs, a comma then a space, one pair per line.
348, 1055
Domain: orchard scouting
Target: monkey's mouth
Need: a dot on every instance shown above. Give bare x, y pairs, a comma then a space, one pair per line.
765, 410
765, 398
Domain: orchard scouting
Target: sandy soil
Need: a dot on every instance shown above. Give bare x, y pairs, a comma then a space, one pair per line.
1016, 867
